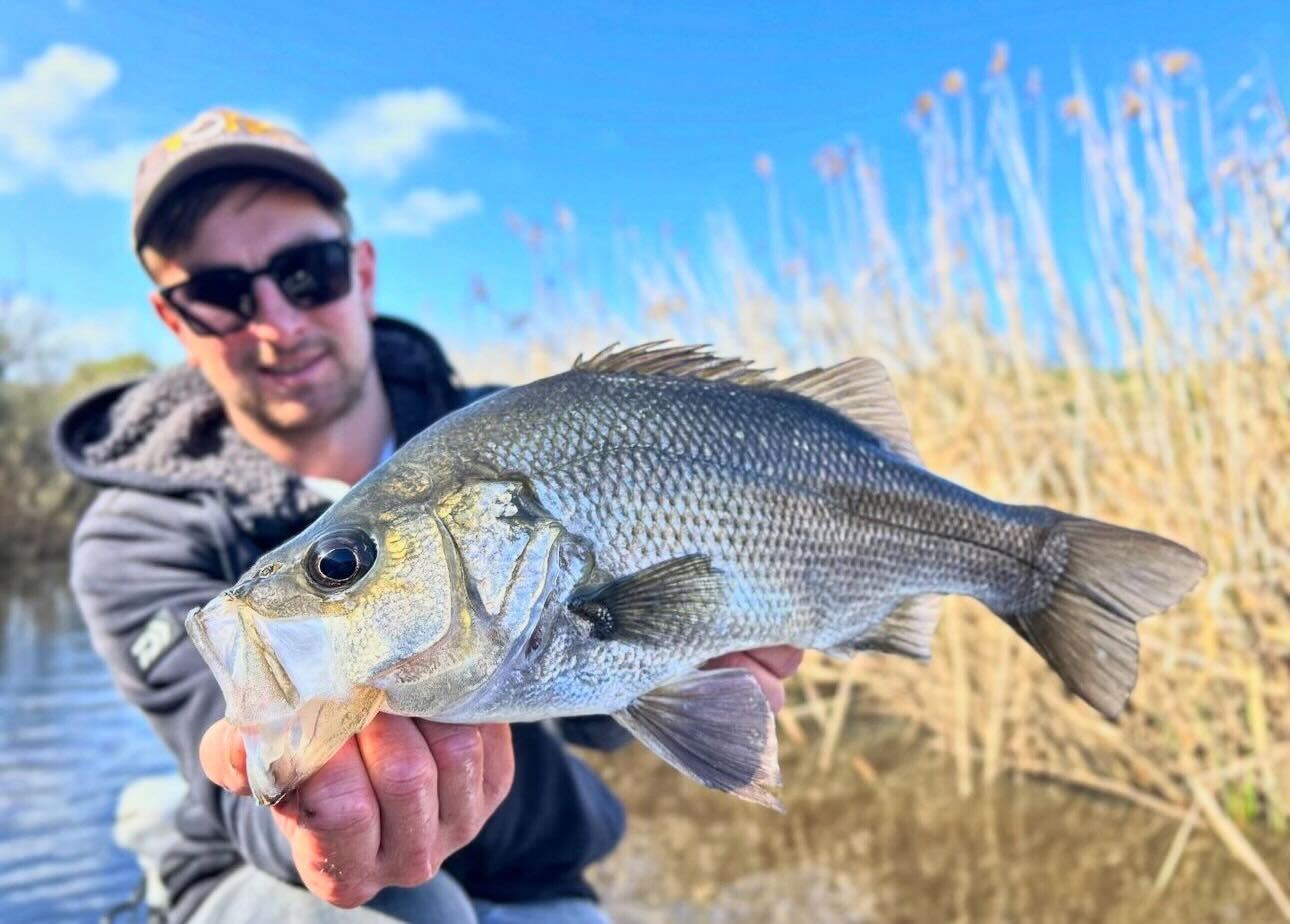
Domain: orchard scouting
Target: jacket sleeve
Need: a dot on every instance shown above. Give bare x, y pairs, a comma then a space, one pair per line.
598, 732
139, 563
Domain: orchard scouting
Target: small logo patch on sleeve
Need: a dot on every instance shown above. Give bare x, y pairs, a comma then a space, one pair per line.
161, 634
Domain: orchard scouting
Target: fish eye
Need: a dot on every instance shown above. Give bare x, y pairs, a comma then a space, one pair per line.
340, 558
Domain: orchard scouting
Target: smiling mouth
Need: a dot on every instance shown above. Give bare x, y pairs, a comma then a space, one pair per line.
293, 367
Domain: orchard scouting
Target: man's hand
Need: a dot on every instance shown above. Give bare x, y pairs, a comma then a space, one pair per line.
398, 799
771, 666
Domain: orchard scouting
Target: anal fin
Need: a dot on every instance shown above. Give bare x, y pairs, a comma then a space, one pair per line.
715, 727
907, 630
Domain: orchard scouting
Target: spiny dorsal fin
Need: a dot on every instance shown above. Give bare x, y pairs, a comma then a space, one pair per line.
859, 389
686, 362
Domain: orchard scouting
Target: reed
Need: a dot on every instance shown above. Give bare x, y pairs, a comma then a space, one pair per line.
1147, 384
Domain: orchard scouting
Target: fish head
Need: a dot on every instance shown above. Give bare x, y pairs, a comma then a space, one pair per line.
410, 610
514, 566
306, 641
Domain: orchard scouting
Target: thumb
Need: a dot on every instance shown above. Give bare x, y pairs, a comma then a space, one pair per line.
223, 758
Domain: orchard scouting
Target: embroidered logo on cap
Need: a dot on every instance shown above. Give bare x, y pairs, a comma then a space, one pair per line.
221, 124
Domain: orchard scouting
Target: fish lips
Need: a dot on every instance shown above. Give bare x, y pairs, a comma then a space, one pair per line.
266, 668
283, 753
281, 690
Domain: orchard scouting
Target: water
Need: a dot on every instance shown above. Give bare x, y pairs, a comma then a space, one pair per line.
906, 850
68, 744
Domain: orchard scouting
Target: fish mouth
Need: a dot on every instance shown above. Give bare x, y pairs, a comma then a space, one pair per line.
281, 689
282, 753
229, 638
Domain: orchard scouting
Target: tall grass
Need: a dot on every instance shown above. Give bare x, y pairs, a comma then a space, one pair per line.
41, 503
1145, 383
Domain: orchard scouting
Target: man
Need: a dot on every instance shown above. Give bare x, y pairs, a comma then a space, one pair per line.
294, 389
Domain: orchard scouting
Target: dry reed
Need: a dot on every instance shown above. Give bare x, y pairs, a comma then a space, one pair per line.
1150, 389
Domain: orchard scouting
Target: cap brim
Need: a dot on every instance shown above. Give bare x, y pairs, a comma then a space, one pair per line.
262, 156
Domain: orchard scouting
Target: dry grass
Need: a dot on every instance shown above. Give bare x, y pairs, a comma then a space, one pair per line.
1151, 389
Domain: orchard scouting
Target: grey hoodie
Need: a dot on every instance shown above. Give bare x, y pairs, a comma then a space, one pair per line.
187, 506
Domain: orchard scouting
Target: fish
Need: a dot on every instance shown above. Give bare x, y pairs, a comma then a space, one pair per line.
582, 544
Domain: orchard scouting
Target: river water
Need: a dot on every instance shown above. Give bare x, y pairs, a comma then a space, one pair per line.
906, 850
68, 744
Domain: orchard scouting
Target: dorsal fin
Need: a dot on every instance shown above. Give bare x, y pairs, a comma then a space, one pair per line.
684, 362
859, 389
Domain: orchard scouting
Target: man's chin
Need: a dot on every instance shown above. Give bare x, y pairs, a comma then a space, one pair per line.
291, 417
295, 416
303, 409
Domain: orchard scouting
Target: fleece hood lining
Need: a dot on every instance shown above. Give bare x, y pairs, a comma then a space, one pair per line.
168, 433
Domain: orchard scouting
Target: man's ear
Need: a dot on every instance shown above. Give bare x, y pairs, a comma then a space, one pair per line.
172, 321
365, 269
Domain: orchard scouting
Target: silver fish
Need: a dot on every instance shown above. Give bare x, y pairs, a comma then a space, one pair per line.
579, 545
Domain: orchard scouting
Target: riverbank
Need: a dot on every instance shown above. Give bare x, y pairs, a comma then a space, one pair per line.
892, 843
41, 503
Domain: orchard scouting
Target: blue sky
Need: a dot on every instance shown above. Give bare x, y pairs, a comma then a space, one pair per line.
446, 118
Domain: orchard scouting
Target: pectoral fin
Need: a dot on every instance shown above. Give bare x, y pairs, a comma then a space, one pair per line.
664, 604
715, 727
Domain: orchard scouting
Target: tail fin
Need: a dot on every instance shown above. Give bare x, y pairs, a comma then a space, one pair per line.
1112, 578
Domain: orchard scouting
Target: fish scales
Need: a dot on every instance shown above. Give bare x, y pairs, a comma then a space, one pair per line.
649, 471
582, 544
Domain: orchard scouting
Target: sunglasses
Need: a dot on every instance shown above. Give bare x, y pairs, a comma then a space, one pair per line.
221, 300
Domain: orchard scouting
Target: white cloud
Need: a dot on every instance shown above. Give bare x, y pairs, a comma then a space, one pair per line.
43, 136
106, 173
46, 338
39, 112
422, 211
382, 135
50, 94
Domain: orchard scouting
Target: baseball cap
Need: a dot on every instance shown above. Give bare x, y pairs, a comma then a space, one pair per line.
223, 137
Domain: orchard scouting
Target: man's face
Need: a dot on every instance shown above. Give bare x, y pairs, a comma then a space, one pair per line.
288, 370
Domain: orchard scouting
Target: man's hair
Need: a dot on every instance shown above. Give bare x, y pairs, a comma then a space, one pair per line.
174, 223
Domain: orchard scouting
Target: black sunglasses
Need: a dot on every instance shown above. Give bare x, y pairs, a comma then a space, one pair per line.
221, 300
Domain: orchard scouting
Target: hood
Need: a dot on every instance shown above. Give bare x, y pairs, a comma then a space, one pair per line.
168, 434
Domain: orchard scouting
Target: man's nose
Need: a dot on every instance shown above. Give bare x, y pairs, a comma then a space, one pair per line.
276, 319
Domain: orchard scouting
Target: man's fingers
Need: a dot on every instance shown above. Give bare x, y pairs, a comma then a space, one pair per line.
459, 756
781, 660
223, 757
770, 684
499, 764
405, 781
286, 813
338, 831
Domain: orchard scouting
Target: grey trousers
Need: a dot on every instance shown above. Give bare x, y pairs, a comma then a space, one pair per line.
251, 895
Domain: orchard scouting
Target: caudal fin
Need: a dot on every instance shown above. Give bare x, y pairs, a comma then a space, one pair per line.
1112, 578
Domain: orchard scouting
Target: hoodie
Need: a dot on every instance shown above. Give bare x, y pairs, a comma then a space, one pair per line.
186, 506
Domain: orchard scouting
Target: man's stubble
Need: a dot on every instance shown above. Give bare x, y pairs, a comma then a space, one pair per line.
274, 416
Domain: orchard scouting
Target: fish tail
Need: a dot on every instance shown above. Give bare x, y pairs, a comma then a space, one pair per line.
1096, 582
